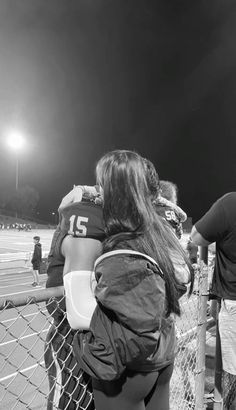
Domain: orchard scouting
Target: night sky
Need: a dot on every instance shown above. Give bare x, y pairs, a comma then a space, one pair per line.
81, 77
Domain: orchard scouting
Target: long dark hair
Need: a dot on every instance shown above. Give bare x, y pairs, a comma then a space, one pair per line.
153, 180
126, 195
155, 188
130, 218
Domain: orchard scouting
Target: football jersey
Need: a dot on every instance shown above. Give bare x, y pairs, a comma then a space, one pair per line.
83, 220
170, 216
80, 219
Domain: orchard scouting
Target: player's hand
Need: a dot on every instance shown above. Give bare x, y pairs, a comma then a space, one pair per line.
75, 195
90, 191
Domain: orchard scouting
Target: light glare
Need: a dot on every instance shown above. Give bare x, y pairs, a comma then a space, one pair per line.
15, 140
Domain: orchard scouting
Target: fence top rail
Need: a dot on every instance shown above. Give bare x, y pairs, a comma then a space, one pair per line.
42, 295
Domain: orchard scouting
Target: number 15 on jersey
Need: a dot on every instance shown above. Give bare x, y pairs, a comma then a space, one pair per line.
78, 225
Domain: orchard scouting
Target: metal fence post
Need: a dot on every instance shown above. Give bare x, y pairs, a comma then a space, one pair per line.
203, 254
201, 332
218, 399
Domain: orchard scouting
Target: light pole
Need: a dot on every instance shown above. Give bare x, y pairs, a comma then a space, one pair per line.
16, 142
17, 172
54, 217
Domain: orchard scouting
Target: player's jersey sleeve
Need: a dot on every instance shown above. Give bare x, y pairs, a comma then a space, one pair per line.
83, 220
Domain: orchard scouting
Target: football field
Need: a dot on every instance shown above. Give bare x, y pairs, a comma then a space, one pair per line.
23, 329
15, 275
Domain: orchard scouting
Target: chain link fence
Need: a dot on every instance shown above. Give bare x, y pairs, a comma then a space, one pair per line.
38, 369
228, 389
225, 383
188, 380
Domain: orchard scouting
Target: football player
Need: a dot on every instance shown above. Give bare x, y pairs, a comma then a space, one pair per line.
76, 243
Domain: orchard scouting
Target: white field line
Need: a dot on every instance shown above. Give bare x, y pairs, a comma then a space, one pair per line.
17, 318
16, 284
10, 248
25, 262
23, 243
19, 255
12, 279
23, 337
21, 269
12, 256
24, 291
21, 371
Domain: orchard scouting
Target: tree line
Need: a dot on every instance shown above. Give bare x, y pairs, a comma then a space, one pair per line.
24, 201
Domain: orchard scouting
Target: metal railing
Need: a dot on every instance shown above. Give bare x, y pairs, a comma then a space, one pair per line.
38, 369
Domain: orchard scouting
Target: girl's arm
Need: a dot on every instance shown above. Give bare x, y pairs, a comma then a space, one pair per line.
80, 254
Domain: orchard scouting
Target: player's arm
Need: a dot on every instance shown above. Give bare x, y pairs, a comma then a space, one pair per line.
197, 238
80, 254
211, 227
76, 194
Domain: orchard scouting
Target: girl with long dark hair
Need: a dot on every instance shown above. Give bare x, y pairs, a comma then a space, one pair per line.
129, 349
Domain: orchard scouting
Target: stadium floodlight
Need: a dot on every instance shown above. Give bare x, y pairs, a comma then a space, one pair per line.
16, 142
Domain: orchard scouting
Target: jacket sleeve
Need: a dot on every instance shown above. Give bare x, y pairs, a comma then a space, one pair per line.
182, 272
133, 291
107, 348
37, 255
126, 324
34, 256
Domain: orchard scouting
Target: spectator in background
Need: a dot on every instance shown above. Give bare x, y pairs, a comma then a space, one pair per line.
166, 206
36, 260
218, 225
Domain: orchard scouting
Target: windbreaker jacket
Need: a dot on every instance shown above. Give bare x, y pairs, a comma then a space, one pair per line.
37, 255
129, 328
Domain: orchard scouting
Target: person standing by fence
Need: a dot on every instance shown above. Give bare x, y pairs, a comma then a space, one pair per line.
219, 225
36, 260
130, 346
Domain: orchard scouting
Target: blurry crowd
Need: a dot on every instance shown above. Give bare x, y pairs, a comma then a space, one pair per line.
17, 226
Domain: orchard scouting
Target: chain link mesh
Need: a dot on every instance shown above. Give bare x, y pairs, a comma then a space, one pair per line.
229, 390
38, 369
183, 379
